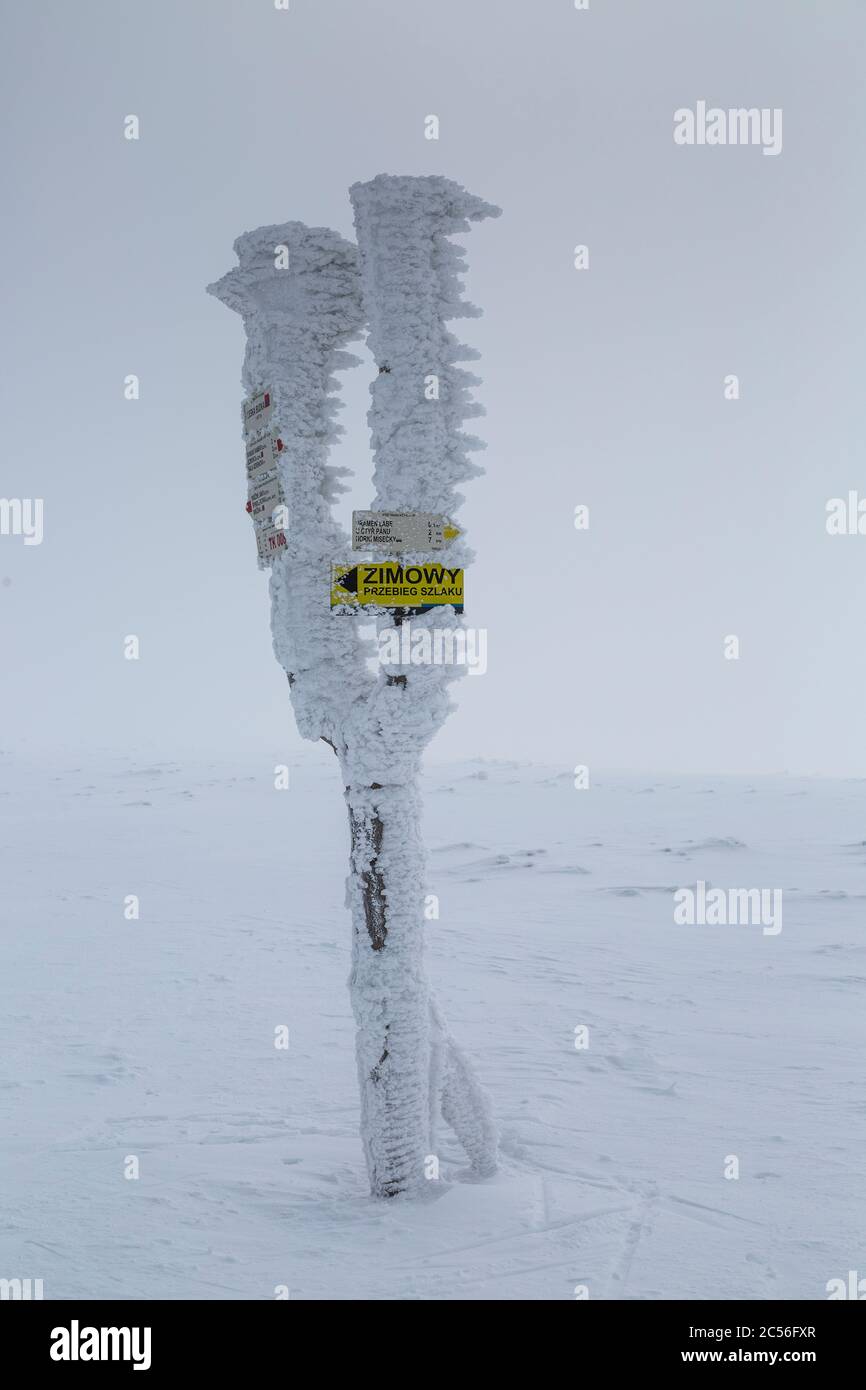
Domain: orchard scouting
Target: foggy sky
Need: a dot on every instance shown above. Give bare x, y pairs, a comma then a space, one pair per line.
602, 387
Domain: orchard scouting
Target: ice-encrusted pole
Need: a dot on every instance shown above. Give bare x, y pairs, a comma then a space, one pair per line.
297, 321
410, 286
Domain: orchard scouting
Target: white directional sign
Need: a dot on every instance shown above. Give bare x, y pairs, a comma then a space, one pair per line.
265, 488
262, 458
265, 498
270, 540
397, 531
257, 410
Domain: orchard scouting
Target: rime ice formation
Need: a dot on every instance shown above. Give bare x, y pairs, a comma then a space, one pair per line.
297, 321
402, 280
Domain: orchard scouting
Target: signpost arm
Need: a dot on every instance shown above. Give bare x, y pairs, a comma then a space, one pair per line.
297, 290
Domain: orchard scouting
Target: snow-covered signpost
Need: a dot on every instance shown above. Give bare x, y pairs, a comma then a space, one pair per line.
304, 293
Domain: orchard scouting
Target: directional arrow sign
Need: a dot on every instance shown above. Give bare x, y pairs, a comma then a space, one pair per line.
345, 579
412, 587
396, 531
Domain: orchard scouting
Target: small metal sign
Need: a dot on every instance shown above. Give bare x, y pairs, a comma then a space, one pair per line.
262, 456
264, 499
270, 541
398, 531
257, 410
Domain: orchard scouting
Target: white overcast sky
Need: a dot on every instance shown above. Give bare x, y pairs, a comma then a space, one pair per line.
602, 387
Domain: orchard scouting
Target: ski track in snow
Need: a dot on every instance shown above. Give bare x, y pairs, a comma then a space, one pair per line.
154, 1037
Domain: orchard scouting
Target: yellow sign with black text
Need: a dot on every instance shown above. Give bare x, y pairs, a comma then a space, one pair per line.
390, 585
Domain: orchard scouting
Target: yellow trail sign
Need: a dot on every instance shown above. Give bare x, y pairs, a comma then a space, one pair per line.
390, 585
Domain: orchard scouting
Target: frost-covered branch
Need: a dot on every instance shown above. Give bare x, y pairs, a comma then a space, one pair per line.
297, 321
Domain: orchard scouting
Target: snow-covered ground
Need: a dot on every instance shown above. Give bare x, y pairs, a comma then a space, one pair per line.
155, 1037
